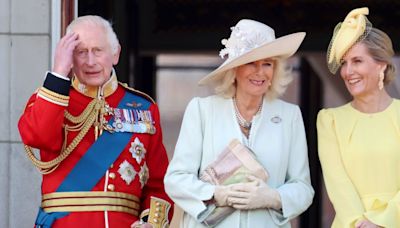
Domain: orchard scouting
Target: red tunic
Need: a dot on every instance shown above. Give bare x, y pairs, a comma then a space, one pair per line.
41, 126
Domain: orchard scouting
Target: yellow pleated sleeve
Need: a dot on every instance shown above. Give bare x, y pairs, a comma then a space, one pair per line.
360, 159
344, 197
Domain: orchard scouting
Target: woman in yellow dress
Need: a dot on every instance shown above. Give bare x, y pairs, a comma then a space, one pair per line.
359, 142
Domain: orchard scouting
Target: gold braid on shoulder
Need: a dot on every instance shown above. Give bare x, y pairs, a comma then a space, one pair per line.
93, 115
148, 97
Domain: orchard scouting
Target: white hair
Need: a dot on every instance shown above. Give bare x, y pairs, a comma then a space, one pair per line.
97, 21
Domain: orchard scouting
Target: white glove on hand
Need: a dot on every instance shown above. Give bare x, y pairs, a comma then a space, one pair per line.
221, 195
140, 224
253, 195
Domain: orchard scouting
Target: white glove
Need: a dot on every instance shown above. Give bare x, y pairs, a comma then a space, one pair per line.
253, 195
221, 195
140, 224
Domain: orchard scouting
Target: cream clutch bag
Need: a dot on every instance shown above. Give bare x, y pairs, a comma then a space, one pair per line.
233, 165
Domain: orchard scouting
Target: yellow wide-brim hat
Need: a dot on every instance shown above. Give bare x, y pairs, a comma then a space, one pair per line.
251, 41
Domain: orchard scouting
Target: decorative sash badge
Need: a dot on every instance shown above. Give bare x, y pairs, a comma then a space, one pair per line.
127, 172
133, 120
143, 175
137, 150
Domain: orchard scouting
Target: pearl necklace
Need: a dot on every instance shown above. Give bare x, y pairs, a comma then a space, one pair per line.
242, 121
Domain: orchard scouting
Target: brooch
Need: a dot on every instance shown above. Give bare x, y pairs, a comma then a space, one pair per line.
276, 119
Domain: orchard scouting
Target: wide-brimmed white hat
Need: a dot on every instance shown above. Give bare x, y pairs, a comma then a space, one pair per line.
251, 41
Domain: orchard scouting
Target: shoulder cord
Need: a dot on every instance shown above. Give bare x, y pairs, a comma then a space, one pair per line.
89, 117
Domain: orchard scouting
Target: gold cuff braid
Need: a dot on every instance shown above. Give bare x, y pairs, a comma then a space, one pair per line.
53, 96
158, 214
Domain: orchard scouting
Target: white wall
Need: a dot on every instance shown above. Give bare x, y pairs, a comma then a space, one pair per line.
25, 41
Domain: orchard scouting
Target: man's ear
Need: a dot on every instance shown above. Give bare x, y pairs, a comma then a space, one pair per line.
116, 55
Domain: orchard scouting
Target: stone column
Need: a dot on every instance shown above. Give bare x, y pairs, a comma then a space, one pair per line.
25, 37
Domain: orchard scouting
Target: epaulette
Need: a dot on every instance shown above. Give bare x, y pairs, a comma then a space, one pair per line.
140, 93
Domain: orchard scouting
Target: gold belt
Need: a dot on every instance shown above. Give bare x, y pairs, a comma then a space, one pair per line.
90, 201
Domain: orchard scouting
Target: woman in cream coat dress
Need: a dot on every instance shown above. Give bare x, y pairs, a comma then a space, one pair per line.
359, 142
245, 108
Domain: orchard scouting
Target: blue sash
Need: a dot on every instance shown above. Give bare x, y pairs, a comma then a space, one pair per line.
94, 163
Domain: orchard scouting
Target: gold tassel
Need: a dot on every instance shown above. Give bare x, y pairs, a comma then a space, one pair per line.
93, 115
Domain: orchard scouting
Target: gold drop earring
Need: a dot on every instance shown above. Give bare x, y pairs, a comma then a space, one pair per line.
381, 77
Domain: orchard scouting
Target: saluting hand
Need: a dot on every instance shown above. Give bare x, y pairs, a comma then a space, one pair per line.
64, 53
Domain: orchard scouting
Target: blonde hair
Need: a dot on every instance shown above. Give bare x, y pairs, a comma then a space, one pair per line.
380, 47
226, 86
97, 21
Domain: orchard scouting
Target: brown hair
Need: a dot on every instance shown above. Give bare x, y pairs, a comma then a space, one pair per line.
380, 47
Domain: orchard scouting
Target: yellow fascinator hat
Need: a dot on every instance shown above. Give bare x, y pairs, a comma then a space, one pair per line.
353, 29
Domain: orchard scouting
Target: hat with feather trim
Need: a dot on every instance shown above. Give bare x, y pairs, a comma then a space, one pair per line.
353, 29
252, 41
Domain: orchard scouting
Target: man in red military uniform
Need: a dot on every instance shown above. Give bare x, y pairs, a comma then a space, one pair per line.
102, 156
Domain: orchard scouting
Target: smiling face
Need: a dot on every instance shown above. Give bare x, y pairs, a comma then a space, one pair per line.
255, 78
360, 72
93, 58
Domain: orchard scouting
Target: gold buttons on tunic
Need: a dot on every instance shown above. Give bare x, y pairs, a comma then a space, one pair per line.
111, 175
111, 187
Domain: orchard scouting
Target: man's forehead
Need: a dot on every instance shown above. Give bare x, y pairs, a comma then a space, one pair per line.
91, 36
